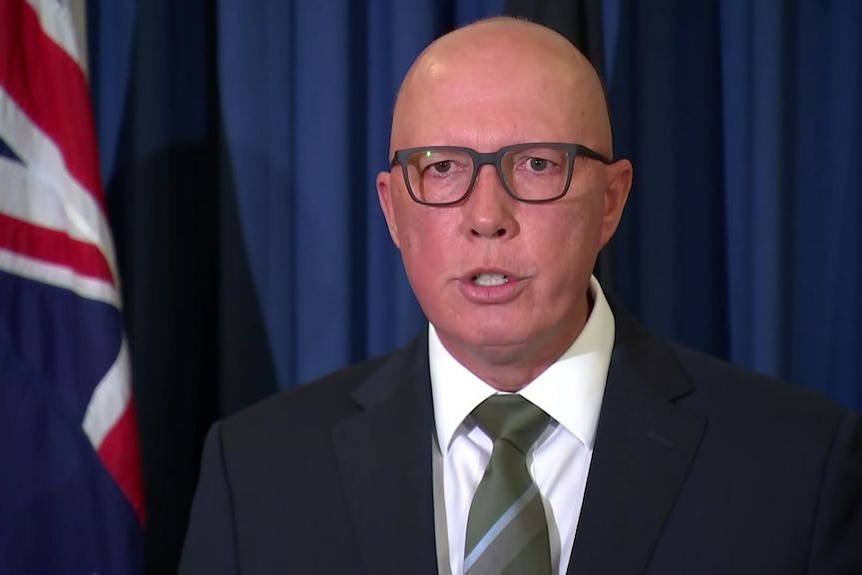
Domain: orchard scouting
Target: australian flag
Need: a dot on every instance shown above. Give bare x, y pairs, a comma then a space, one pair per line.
71, 499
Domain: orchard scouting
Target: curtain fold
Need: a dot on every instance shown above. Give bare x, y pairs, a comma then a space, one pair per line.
741, 237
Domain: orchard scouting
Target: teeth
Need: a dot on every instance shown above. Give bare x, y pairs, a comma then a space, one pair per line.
490, 279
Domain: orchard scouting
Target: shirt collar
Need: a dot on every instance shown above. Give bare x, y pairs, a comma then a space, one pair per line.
570, 390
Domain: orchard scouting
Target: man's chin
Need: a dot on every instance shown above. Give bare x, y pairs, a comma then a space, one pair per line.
495, 345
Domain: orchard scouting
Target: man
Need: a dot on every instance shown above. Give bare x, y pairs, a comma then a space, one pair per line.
642, 457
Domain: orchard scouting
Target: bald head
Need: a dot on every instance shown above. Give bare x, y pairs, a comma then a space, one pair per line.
498, 65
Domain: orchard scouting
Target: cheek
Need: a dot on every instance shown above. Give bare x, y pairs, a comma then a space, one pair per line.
424, 236
428, 261
585, 223
567, 242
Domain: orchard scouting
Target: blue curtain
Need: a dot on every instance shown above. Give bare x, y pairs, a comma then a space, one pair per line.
792, 153
742, 234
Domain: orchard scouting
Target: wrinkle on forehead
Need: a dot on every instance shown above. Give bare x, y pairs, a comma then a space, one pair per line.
491, 58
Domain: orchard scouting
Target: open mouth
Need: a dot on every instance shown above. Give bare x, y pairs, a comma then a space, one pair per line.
490, 279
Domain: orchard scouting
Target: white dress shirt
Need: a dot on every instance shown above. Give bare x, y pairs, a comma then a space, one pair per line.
570, 391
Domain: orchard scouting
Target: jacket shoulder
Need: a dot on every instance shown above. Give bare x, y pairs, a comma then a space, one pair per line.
304, 413
745, 398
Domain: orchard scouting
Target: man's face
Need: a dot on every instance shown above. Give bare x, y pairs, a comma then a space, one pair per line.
501, 280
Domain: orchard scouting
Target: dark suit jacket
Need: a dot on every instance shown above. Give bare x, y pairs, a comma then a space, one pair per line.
699, 467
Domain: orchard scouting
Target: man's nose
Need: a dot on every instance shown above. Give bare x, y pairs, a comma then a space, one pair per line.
490, 211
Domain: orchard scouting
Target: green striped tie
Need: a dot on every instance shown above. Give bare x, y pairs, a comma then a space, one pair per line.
506, 530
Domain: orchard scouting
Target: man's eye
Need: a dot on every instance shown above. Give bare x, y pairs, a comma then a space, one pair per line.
538, 164
442, 167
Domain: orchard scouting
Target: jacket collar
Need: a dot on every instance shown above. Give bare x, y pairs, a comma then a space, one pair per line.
645, 444
384, 457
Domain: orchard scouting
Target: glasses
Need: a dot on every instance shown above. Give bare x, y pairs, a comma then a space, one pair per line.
534, 173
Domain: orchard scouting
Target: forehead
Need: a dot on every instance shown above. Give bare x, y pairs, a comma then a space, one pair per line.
491, 104
497, 91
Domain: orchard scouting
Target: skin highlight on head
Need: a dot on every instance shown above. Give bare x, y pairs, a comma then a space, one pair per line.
498, 82
489, 40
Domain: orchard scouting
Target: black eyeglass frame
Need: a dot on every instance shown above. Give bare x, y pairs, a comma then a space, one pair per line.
496, 159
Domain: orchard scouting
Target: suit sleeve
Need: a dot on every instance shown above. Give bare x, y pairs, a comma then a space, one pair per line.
210, 545
837, 538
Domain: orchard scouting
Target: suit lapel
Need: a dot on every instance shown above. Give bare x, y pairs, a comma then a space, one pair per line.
384, 456
644, 447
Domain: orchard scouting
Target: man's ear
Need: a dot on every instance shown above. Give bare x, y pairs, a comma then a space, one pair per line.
384, 196
617, 193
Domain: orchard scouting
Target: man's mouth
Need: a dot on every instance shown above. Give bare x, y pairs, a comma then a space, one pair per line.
490, 279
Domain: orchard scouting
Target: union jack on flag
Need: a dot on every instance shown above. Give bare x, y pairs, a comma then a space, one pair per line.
71, 499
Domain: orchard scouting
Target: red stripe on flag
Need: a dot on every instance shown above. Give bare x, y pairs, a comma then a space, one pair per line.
120, 455
53, 246
56, 98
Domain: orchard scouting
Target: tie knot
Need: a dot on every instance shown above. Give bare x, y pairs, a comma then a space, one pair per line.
511, 418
